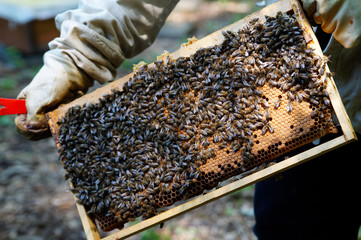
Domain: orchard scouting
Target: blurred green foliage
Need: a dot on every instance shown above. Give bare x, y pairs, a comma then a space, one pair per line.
128, 64
150, 234
7, 84
6, 120
247, 189
13, 57
16, 70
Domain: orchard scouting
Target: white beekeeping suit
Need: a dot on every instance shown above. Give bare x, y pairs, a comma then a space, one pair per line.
97, 37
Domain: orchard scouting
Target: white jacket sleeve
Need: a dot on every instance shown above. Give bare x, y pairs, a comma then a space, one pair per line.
100, 34
342, 18
94, 40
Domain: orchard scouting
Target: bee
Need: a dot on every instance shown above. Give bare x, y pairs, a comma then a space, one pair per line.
278, 102
175, 185
217, 138
222, 145
314, 101
183, 137
205, 142
290, 95
248, 155
260, 81
314, 113
274, 83
326, 101
289, 107
126, 215
270, 128
286, 86
265, 129
264, 103
267, 114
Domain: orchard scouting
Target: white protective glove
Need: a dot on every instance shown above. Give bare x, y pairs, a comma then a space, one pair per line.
58, 81
342, 18
94, 40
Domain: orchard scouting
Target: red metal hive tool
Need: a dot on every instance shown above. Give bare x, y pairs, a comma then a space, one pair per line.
12, 106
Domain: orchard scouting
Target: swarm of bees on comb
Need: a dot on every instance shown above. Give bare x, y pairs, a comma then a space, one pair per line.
147, 146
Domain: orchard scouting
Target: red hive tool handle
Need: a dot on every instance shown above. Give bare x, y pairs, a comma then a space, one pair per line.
12, 106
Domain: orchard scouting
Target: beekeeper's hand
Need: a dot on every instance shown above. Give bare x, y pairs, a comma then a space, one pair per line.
94, 40
342, 18
58, 81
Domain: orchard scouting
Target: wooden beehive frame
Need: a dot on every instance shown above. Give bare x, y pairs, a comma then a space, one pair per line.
90, 227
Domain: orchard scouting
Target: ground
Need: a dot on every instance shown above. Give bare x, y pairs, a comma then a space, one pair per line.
34, 197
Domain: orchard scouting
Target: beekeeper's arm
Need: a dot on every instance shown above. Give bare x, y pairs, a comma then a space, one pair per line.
342, 18
94, 40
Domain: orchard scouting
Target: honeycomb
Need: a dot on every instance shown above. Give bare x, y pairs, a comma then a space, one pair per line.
182, 126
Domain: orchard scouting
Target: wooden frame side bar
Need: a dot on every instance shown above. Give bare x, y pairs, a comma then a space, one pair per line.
90, 228
335, 98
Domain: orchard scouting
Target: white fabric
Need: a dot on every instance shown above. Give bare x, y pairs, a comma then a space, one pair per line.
342, 18
99, 35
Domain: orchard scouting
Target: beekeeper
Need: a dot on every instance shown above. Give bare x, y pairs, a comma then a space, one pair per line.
95, 39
